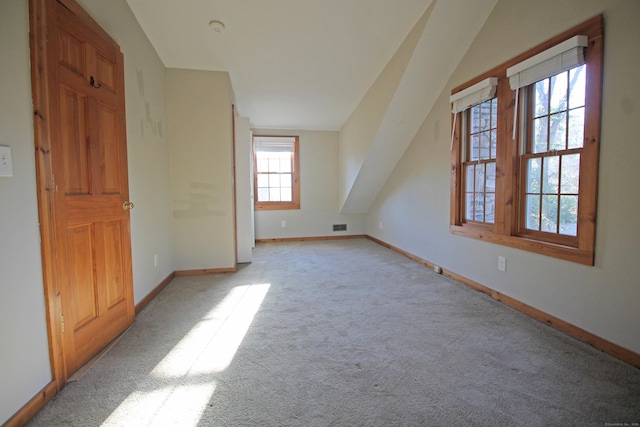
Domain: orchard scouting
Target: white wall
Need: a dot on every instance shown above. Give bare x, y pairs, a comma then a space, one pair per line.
24, 357
24, 354
414, 204
244, 193
318, 192
201, 168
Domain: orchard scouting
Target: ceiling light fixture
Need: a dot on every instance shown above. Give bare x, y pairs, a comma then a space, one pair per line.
216, 26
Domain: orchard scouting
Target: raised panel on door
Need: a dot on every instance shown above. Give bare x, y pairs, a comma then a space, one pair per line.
114, 270
108, 139
81, 287
76, 167
72, 53
106, 72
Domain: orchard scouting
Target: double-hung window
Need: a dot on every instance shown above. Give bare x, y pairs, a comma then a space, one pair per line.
552, 151
534, 185
479, 109
276, 172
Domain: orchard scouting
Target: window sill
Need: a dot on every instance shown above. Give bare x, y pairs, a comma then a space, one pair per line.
566, 253
275, 206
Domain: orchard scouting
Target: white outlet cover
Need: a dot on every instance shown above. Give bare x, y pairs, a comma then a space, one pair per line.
6, 164
502, 263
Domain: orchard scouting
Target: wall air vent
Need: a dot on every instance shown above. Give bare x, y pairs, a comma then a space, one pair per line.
339, 227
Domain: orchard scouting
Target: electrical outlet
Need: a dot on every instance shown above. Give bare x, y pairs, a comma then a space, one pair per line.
283, 224
380, 225
502, 263
155, 260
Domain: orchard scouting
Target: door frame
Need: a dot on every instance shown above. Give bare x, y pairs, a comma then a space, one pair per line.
41, 14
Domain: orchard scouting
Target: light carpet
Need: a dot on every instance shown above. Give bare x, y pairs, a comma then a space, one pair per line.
342, 333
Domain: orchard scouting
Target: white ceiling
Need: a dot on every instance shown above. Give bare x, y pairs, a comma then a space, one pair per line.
294, 64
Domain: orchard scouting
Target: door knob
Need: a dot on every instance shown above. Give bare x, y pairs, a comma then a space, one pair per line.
126, 205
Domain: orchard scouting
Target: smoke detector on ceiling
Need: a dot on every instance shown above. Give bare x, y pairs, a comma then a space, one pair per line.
216, 26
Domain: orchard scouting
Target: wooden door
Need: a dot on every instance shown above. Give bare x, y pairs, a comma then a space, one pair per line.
89, 185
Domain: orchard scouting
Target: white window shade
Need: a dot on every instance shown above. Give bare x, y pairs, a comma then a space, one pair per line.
279, 144
555, 60
473, 95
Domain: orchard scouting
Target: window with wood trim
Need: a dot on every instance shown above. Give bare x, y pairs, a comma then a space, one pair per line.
551, 159
547, 130
276, 172
480, 162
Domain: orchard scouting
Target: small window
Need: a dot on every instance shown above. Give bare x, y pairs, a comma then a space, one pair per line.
480, 165
276, 172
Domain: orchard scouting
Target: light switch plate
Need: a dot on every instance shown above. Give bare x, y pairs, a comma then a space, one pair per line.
6, 164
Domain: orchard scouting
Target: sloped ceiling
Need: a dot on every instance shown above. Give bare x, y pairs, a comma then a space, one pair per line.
294, 64
444, 39
312, 64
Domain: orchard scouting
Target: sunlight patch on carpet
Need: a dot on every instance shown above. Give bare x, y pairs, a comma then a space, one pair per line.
184, 381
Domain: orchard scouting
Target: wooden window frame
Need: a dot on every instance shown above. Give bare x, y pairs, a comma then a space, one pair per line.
467, 161
506, 228
295, 203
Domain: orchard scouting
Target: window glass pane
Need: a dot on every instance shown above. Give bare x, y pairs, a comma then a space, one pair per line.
285, 194
285, 180
540, 135
550, 174
274, 180
533, 175
475, 147
494, 144
274, 194
490, 185
469, 207
475, 119
263, 194
285, 163
485, 115
471, 170
569, 215
274, 164
533, 212
489, 207
558, 131
577, 81
480, 178
576, 128
549, 214
263, 180
558, 89
570, 174
494, 113
478, 211
485, 145
541, 98
262, 164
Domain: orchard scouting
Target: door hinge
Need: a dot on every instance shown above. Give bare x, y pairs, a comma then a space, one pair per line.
54, 187
62, 322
